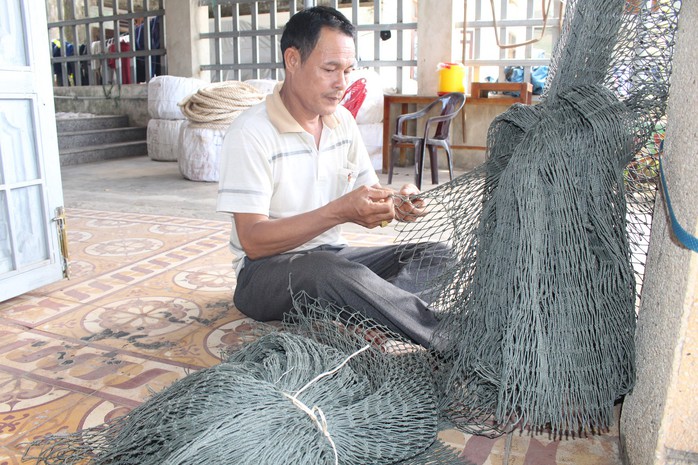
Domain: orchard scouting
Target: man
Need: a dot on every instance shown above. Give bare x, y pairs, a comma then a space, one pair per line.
293, 170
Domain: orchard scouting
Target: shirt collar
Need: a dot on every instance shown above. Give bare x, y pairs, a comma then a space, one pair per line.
282, 119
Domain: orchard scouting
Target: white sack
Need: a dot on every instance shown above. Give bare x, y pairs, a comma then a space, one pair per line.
199, 152
372, 135
371, 110
163, 139
165, 92
264, 86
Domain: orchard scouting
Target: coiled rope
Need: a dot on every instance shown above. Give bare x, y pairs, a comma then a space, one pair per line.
217, 105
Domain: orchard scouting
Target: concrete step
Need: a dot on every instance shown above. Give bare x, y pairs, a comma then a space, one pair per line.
88, 138
88, 154
91, 123
78, 139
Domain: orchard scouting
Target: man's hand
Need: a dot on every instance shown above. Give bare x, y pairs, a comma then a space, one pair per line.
261, 237
408, 206
366, 206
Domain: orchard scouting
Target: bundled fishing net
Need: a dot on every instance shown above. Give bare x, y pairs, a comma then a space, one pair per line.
539, 310
328, 387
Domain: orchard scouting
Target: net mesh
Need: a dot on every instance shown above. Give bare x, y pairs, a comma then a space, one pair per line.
550, 234
547, 244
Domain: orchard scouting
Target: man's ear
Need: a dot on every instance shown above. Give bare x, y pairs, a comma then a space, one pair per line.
292, 58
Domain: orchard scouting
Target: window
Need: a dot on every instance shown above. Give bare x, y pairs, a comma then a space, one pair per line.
244, 37
97, 42
493, 30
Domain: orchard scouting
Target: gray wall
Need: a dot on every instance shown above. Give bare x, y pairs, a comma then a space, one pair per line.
131, 100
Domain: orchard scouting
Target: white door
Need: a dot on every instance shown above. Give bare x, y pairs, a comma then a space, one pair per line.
31, 196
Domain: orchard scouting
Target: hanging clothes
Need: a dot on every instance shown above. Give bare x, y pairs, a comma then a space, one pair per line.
84, 66
56, 51
125, 62
155, 69
96, 64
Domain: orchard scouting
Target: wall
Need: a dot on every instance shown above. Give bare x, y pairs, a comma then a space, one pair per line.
478, 118
184, 21
131, 100
433, 31
660, 418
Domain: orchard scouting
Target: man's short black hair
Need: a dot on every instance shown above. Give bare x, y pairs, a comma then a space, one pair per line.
303, 29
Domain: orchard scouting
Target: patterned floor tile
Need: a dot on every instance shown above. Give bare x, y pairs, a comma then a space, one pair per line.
219, 260
32, 310
52, 415
136, 324
206, 347
70, 414
10, 456
133, 274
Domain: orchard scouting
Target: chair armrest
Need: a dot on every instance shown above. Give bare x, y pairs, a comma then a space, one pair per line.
411, 116
442, 118
438, 119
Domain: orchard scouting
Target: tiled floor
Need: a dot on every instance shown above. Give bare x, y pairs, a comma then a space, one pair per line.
149, 300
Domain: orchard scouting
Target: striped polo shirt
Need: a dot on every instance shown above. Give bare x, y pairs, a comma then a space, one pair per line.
271, 166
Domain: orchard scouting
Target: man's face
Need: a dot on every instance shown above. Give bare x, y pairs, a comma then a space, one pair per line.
320, 81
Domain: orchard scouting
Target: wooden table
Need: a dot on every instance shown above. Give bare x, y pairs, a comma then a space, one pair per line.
480, 93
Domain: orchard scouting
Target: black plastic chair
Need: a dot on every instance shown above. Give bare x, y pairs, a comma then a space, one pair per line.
450, 105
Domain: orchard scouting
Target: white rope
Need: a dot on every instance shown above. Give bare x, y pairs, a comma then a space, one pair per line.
217, 105
316, 413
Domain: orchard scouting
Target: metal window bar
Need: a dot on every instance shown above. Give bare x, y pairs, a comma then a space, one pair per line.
529, 48
236, 41
64, 48
116, 41
261, 59
76, 48
268, 63
504, 22
376, 34
253, 40
275, 52
97, 64
217, 75
400, 38
502, 36
86, 63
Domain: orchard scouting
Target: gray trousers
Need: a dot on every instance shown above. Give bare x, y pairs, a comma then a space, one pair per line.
382, 283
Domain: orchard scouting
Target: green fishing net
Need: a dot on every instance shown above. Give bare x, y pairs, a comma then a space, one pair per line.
550, 234
547, 244
326, 387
